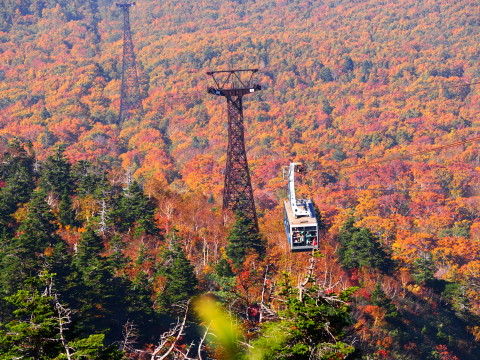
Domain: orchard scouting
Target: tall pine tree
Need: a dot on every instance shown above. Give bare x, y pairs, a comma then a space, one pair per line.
244, 239
18, 177
181, 281
34, 247
104, 300
360, 248
135, 211
41, 328
91, 285
89, 179
312, 325
55, 173
66, 214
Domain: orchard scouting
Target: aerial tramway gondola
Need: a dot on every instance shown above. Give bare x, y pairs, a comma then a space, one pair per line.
300, 220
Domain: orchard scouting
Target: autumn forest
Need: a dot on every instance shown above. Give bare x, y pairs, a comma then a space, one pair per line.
113, 243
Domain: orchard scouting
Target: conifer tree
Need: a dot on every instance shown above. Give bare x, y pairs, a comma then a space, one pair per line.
66, 215
424, 269
360, 248
181, 282
117, 257
138, 302
105, 302
41, 328
223, 268
55, 173
244, 238
134, 209
31, 334
89, 179
89, 250
312, 325
34, 247
379, 298
91, 284
38, 229
17, 173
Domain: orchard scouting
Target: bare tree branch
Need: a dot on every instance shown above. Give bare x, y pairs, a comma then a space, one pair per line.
200, 345
167, 336
64, 318
130, 333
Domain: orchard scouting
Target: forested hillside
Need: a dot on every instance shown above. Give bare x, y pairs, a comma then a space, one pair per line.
379, 99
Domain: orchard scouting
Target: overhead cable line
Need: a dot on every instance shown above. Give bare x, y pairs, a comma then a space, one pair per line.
428, 87
395, 190
400, 157
406, 156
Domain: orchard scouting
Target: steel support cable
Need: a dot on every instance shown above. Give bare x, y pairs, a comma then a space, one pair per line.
401, 157
406, 156
438, 87
393, 190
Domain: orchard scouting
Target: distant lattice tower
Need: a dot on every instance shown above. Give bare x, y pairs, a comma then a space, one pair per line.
237, 192
130, 99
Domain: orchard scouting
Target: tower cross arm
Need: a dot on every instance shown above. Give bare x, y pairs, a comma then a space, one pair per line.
125, 5
241, 79
233, 92
231, 71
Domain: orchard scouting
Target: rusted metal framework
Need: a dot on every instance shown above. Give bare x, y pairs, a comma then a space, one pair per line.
237, 192
130, 99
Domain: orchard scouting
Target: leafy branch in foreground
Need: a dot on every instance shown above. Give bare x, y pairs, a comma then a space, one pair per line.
312, 324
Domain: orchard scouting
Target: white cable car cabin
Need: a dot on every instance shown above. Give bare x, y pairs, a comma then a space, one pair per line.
300, 220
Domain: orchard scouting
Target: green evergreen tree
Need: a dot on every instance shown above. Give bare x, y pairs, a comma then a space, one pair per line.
325, 74
89, 179
91, 285
55, 173
181, 282
140, 289
311, 326
34, 333
135, 211
360, 248
424, 269
243, 239
34, 247
105, 301
326, 107
117, 257
348, 64
379, 298
456, 295
89, 250
38, 230
17, 173
224, 269
67, 215
139, 304
45, 114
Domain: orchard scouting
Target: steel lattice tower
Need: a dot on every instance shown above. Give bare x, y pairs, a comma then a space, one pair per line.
237, 191
130, 99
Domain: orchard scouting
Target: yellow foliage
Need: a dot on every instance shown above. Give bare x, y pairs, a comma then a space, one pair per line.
49, 251
21, 213
475, 331
415, 289
220, 323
